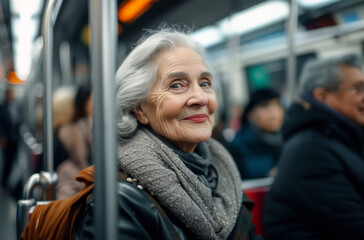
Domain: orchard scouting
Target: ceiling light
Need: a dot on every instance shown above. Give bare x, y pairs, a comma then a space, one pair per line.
315, 3
255, 17
24, 28
130, 10
33, 7
22, 58
208, 36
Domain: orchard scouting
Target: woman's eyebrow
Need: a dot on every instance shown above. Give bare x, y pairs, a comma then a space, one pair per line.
184, 74
177, 74
206, 74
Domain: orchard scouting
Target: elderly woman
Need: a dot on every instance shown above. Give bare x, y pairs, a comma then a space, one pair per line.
166, 105
179, 183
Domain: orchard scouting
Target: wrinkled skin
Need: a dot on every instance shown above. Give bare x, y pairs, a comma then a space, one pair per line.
182, 102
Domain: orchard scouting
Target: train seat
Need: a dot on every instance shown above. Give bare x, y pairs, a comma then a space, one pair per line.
256, 190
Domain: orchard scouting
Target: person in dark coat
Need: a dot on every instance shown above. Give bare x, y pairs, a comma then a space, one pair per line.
10, 120
256, 146
319, 190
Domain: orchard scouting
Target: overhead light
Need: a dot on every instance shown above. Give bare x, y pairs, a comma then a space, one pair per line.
21, 7
24, 28
208, 36
22, 58
315, 3
261, 15
130, 10
14, 79
25, 25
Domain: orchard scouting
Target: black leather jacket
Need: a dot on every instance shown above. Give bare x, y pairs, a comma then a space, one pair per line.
141, 217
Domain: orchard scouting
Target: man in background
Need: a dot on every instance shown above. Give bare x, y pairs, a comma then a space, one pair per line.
319, 190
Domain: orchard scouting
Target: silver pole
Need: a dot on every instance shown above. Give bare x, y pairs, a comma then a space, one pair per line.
291, 60
103, 59
47, 83
65, 62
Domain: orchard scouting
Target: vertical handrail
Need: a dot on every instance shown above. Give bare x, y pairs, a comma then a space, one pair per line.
103, 59
291, 59
47, 89
31, 83
48, 177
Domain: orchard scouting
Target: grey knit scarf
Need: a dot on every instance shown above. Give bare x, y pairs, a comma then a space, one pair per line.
161, 171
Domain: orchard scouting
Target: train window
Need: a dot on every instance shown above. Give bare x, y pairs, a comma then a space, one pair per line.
273, 73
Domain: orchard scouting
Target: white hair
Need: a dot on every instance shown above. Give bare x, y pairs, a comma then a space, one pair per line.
137, 73
326, 73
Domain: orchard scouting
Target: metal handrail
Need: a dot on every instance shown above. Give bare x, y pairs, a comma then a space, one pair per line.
291, 60
33, 182
30, 141
47, 83
103, 60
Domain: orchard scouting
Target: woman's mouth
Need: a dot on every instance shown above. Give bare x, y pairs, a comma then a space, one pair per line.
198, 118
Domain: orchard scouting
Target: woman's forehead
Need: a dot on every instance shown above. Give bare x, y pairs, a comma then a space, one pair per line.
180, 59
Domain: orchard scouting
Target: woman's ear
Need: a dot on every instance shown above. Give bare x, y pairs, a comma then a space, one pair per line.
140, 114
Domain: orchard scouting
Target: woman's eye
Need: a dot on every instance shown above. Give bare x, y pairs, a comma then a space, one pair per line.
205, 84
176, 85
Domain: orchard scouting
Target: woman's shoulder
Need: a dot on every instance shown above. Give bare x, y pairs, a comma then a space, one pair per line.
140, 216
131, 196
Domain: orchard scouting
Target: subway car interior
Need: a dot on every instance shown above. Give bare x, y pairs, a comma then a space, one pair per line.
49, 48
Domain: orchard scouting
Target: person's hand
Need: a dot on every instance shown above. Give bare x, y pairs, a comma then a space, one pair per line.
3, 142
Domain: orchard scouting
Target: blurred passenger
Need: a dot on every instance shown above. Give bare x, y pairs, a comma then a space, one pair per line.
63, 107
256, 146
77, 140
63, 110
319, 190
10, 120
192, 188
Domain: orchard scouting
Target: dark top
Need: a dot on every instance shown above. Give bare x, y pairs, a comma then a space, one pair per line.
255, 151
9, 125
319, 190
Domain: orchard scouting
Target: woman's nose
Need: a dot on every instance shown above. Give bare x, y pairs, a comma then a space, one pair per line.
197, 97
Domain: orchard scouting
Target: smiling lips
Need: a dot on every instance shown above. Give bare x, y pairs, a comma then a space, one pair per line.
198, 118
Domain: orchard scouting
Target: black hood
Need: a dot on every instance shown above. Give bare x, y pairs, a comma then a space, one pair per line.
316, 116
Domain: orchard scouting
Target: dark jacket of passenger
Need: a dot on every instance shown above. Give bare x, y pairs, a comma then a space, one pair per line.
9, 129
255, 151
319, 190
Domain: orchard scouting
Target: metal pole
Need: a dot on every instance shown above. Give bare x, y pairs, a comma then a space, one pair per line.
103, 59
291, 60
47, 83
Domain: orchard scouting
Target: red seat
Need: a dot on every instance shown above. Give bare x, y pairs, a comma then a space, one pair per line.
256, 190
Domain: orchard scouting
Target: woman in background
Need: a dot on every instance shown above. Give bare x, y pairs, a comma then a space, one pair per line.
77, 140
256, 146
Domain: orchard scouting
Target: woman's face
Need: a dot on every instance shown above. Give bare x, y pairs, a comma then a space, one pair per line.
182, 102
